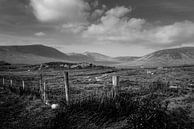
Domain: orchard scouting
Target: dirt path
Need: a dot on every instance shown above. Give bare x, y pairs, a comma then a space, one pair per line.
23, 112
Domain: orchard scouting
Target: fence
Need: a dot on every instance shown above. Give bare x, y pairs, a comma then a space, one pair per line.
57, 86
52, 88
21, 84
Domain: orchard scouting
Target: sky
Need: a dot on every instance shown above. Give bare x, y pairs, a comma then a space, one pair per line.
111, 27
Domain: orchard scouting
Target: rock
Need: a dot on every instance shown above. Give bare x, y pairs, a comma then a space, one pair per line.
54, 106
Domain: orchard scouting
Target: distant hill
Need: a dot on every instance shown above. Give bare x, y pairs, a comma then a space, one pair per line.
36, 54
38, 50
98, 57
126, 58
167, 57
4, 63
30, 54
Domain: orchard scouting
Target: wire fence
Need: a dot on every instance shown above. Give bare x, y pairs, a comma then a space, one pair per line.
56, 87
59, 86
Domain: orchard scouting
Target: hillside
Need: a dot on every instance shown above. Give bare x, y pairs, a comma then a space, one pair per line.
98, 57
167, 57
126, 58
35, 54
38, 50
30, 54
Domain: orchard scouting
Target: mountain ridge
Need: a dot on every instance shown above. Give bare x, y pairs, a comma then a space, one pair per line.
34, 54
166, 57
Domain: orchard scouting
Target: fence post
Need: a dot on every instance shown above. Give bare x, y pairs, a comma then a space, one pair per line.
44, 93
23, 84
40, 87
66, 83
41, 80
3, 81
11, 83
115, 83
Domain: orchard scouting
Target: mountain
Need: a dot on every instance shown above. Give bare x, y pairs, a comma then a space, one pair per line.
30, 54
98, 57
35, 54
167, 57
2, 63
79, 57
38, 50
126, 58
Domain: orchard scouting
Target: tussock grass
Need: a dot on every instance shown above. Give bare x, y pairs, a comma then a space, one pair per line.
138, 113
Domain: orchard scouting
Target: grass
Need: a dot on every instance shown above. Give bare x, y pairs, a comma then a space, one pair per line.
125, 111
142, 108
139, 113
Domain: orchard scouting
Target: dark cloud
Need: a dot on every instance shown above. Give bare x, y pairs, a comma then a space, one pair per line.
14, 11
166, 11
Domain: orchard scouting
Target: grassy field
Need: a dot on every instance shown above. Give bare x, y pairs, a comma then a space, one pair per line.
160, 98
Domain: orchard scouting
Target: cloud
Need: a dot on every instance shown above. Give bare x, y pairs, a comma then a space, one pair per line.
66, 11
175, 34
40, 34
75, 28
113, 25
95, 4
116, 27
97, 13
118, 11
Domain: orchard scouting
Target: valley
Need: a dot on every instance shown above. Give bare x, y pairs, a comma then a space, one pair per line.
36, 54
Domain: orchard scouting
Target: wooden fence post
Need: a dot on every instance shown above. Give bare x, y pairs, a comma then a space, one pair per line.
40, 87
11, 83
66, 83
115, 83
23, 84
3, 81
44, 93
40, 81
